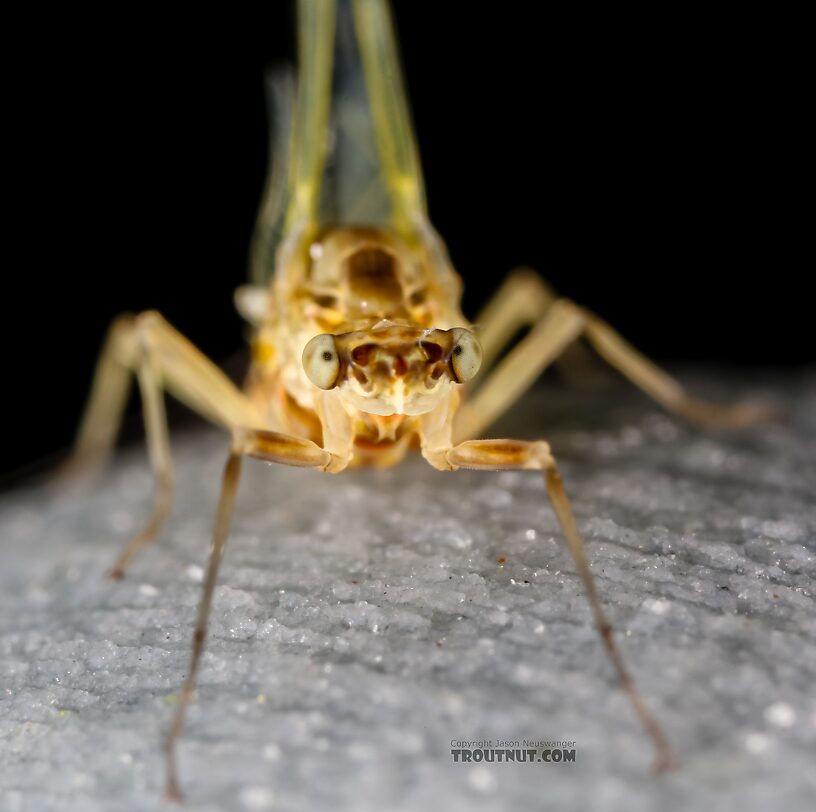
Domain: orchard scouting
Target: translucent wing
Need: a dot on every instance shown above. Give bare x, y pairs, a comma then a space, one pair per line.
342, 151
269, 226
353, 187
392, 121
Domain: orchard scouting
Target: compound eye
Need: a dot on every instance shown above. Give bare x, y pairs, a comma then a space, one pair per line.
321, 361
466, 355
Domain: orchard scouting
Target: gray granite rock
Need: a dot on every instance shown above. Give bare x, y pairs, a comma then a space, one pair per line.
363, 622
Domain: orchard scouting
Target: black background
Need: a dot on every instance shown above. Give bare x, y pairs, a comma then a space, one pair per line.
650, 164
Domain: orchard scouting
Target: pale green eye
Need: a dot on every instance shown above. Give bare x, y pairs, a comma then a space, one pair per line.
321, 361
466, 355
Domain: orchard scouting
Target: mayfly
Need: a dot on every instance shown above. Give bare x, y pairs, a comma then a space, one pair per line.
359, 349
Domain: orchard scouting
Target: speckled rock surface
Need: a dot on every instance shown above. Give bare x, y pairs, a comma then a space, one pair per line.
364, 621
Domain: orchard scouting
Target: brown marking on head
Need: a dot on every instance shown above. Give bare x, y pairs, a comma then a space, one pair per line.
374, 272
389, 367
399, 365
361, 354
325, 300
373, 282
418, 297
433, 350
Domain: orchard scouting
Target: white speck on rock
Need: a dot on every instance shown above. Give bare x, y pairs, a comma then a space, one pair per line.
482, 779
257, 797
195, 573
659, 607
756, 743
780, 714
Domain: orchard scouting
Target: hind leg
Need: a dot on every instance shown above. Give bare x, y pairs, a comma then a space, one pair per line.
557, 329
161, 359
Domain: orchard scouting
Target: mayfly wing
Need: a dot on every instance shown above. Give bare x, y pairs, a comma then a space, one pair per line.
346, 145
316, 27
396, 148
368, 172
298, 112
323, 167
353, 185
269, 225
396, 143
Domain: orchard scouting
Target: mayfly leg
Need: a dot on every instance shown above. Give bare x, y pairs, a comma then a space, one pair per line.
550, 336
229, 489
515, 454
663, 388
107, 400
270, 447
161, 359
158, 448
523, 298
125, 351
556, 329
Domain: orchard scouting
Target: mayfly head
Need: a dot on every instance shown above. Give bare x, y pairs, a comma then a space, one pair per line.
393, 368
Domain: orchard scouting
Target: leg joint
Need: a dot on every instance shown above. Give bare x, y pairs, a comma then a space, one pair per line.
147, 325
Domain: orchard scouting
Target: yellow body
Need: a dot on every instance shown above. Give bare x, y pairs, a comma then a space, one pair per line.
359, 348
368, 282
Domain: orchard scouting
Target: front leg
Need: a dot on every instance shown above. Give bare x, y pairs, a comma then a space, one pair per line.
494, 455
270, 446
